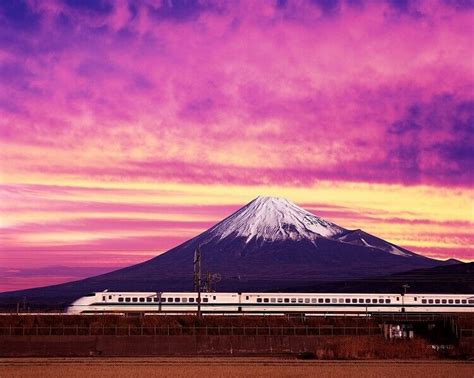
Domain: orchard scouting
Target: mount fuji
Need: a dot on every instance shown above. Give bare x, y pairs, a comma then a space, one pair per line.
269, 244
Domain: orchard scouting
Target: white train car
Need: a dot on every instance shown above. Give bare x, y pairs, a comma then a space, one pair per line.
149, 302
269, 303
440, 302
307, 303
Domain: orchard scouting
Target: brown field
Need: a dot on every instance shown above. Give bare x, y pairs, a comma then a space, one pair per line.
227, 367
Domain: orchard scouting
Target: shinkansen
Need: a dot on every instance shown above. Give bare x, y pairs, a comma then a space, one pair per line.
267, 303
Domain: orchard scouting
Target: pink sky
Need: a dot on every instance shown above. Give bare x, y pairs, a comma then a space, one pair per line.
127, 127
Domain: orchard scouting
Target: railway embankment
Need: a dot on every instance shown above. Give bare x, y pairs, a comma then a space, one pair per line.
308, 337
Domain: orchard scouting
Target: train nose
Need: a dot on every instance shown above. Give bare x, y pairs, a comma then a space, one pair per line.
73, 310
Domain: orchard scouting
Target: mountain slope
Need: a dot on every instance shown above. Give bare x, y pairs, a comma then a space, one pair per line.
456, 278
269, 244
362, 238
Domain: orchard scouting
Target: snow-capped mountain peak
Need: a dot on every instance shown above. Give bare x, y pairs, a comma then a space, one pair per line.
274, 219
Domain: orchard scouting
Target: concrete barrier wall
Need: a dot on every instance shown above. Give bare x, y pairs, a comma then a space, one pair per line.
158, 345
321, 347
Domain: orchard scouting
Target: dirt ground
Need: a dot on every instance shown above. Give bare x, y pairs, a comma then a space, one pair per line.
227, 367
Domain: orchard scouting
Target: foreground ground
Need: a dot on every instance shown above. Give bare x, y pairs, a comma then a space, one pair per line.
227, 367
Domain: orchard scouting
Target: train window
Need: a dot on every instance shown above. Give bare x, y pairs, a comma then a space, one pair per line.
265, 300
149, 299
155, 299
341, 300
120, 299
416, 299
300, 300
205, 300
361, 300
437, 301
471, 301
273, 300
214, 297
367, 300
293, 300
430, 301
177, 299
374, 300
463, 301
170, 299
259, 300
306, 300
142, 299
334, 300
423, 301
287, 300
327, 300
387, 301
381, 301
127, 299
247, 297
280, 300
135, 299
320, 300
314, 300
444, 301
110, 297
450, 301
354, 300
191, 299
103, 298
184, 300
457, 301
398, 298
348, 300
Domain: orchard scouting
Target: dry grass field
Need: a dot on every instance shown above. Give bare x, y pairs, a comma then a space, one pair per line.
227, 367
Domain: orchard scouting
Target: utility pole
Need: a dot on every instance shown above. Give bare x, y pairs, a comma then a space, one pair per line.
208, 284
405, 287
197, 278
211, 280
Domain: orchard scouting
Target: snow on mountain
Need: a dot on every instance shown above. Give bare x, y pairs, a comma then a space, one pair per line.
274, 219
396, 251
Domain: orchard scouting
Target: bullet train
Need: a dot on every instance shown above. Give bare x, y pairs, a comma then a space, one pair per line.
268, 303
